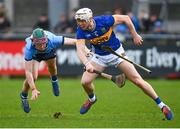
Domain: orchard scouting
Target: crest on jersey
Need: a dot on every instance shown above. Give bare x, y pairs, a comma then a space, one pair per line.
103, 29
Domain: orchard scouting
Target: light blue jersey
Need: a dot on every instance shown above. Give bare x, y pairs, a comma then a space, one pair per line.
53, 43
102, 35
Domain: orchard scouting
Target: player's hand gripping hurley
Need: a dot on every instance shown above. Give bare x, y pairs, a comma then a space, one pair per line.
109, 49
119, 80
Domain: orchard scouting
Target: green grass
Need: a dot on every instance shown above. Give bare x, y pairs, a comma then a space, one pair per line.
115, 108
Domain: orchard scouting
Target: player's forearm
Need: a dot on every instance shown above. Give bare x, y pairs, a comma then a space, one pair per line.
28, 73
82, 55
130, 26
30, 80
82, 50
69, 41
87, 51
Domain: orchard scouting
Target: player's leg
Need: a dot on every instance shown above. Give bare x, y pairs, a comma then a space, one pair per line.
88, 86
26, 87
135, 77
51, 63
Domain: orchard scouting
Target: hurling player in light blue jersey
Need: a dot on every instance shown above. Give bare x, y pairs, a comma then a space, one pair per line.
41, 46
98, 32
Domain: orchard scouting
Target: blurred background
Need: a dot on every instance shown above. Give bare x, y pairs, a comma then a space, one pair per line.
158, 21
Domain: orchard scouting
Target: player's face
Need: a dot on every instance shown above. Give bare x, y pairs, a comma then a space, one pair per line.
40, 44
82, 24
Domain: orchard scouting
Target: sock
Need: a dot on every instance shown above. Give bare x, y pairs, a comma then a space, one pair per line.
54, 78
159, 102
24, 94
92, 97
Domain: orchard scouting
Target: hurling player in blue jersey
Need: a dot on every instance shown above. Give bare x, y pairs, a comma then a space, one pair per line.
41, 46
98, 32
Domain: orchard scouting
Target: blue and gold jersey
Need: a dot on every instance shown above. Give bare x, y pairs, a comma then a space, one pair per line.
102, 34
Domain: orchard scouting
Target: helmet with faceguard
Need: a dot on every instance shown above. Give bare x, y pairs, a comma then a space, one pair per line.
39, 36
84, 14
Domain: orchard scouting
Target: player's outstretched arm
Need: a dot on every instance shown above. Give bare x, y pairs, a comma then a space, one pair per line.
69, 41
126, 19
30, 80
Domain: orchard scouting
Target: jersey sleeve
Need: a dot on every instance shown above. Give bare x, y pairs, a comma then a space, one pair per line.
27, 54
109, 20
57, 41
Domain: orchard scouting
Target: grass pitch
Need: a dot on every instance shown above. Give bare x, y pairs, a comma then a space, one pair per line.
116, 108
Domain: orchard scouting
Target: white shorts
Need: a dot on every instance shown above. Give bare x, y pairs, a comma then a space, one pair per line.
109, 60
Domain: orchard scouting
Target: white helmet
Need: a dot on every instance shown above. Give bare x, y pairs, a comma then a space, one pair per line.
84, 14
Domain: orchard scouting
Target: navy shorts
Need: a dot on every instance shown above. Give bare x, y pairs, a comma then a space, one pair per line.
44, 56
